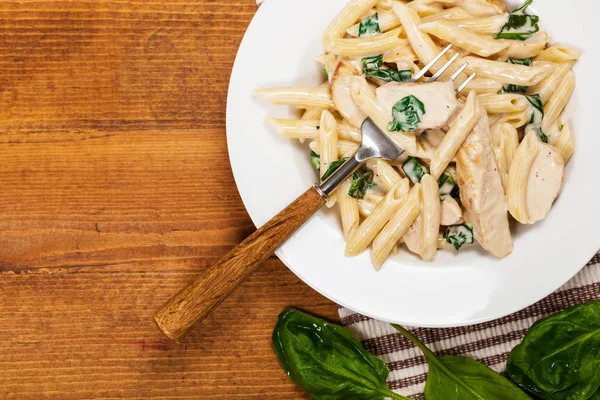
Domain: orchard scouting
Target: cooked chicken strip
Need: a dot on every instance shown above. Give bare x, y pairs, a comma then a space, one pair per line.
481, 191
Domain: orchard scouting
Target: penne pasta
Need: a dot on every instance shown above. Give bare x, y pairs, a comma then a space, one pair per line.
387, 174
328, 147
503, 103
349, 213
563, 141
459, 130
559, 54
295, 128
368, 204
482, 8
402, 52
349, 15
454, 13
387, 21
508, 73
392, 232
412, 237
516, 119
548, 86
299, 96
557, 103
519, 50
363, 236
347, 131
366, 46
472, 42
506, 141
364, 96
341, 96
346, 148
430, 215
484, 86
484, 25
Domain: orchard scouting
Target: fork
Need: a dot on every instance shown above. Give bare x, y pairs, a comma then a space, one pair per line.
192, 304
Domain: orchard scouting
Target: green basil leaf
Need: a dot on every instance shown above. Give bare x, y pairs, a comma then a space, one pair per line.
559, 358
519, 25
458, 235
414, 170
361, 181
452, 377
528, 62
541, 135
315, 160
327, 361
407, 114
537, 116
333, 167
446, 183
369, 26
372, 68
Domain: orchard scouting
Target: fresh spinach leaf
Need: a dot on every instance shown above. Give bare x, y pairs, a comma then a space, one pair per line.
537, 116
519, 25
453, 377
458, 235
414, 170
361, 181
407, 114
559, 358
333, 166
372, 67
327, 361
369, 26
456, 193
446, 183
315, 160
516, 88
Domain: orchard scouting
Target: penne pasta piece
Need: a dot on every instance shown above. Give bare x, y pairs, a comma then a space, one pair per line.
372, 225
459, 130
559, 54
557, 103
368, 204
365, 97
506, 141
503, 103
387, 21
299, 96
387, 174
346, 148
347, 131
430, 215
548, 86
341, 96
508, 73
484, 25
312, 113
484, 86
349, 15
450, 32
392, 232
564, 142
519, 50
402, 52
295, 128
412, 237
329, 147
517, 119
454, 13
348, 209
366, 46
482, 8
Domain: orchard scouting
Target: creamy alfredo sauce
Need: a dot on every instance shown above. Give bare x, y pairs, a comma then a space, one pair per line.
438, 98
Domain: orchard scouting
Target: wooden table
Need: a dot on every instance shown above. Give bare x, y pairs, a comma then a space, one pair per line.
116, 191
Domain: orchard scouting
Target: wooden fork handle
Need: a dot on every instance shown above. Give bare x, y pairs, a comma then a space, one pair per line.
187, 308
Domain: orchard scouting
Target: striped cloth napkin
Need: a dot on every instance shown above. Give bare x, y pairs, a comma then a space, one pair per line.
489, 342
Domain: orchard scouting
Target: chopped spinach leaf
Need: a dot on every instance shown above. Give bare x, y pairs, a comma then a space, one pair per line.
516, 88
537, 115
327, 71
361, 181
369, 26
446, 183
333, 167
372, 67
315, 160
456, 193
407, 114
458, 235
414, 170
519, 25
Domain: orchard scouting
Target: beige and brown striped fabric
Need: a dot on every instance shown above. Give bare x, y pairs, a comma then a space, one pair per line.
489, 343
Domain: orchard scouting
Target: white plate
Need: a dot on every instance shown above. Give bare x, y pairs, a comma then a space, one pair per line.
457, 289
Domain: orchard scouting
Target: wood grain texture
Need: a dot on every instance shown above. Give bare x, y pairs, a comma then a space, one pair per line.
116, 192
192, 304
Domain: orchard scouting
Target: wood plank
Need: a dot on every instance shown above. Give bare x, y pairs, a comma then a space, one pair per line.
117, 191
